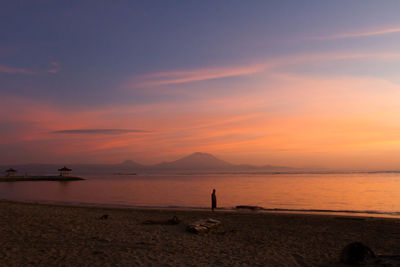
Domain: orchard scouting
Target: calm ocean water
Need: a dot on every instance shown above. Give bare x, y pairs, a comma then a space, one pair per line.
368, 193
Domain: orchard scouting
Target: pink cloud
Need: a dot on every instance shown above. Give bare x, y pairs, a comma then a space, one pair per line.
186, 76
203, 74
53, 70
323, 57
361, 34
12, 70
297, 122
56, 67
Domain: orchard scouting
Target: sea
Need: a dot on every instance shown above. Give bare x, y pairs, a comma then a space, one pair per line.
364, 194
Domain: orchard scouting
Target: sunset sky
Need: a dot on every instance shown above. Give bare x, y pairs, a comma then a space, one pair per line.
293, 83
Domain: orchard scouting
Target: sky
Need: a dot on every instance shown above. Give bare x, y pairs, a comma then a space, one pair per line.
289, 83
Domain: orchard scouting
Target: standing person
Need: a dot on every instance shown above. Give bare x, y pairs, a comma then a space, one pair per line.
213, 200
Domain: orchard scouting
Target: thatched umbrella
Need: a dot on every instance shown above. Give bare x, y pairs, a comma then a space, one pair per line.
10, 172
64, 171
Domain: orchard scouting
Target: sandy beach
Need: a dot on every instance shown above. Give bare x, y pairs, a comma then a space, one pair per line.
52, 235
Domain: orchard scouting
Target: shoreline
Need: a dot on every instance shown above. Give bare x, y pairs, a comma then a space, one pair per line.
318, 212
48, 234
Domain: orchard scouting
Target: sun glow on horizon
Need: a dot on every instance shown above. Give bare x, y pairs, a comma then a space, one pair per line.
265, 93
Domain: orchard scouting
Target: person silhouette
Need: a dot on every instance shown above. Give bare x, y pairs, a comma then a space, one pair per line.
213, 200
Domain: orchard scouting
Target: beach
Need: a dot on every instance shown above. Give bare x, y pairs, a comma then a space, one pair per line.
51, 235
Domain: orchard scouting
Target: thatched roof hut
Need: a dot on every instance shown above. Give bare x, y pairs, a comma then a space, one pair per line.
64, 171
10, 172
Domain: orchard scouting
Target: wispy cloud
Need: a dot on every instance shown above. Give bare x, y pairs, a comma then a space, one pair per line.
186, 76
203, 74
323, 57
100, 131
294, 124
55, 68
11, 70
360, 34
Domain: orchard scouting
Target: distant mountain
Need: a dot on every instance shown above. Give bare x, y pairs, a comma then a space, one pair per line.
197, 162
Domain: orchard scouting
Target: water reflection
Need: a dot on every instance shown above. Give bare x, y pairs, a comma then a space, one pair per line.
362, 192
63, 187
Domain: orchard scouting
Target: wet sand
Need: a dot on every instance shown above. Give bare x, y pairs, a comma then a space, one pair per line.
51, 235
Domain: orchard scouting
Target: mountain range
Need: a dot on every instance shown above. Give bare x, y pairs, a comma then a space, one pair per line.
195, 163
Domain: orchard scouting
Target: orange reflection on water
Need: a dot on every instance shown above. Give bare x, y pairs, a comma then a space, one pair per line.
337, 192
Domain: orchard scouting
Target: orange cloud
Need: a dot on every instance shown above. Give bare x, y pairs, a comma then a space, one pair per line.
298, 121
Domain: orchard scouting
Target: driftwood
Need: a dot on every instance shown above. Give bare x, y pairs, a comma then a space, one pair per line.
203, 225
